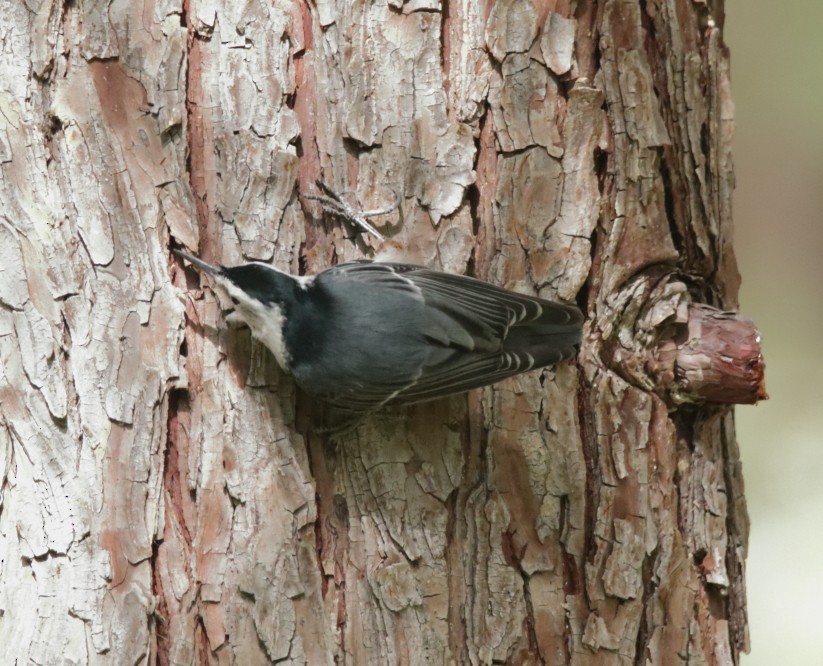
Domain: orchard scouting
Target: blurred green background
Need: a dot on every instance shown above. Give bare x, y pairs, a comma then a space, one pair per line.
777, 67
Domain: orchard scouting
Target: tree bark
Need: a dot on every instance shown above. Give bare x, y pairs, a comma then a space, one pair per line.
166, 495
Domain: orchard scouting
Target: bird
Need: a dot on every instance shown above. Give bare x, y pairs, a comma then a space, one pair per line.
364, 334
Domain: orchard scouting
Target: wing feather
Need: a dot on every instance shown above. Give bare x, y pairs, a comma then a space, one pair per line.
478, 334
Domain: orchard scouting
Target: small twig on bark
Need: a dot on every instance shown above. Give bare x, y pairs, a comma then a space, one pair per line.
334, 203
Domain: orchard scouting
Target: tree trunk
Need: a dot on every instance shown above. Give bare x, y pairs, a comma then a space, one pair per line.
166, 495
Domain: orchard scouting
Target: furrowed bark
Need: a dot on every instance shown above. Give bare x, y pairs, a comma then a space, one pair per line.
166, 495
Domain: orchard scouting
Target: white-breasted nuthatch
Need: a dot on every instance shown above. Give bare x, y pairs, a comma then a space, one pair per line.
363, 334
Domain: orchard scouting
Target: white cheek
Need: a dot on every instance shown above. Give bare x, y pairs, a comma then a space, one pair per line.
266, 323
269, 330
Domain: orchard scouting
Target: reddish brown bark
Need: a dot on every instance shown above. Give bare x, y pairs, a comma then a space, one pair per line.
166, 494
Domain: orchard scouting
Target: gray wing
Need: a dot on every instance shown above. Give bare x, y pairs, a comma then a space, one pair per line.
378, 302
490, 334
475, 333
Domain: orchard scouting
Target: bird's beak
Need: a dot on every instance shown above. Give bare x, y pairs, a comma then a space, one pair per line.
199, 263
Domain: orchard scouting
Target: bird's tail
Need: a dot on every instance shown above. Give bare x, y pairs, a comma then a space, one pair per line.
551, 337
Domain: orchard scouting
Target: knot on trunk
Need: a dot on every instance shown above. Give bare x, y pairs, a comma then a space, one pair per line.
657, 338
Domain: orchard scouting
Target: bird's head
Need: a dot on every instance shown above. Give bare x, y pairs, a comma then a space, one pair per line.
263, 297
254, 288
251, 285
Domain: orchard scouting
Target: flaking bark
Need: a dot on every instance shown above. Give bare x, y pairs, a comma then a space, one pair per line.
165, 495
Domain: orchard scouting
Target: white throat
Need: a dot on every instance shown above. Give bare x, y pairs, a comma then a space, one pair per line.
265, 321
266, 324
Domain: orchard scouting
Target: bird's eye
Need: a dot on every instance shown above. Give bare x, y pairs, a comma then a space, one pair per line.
234, 300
